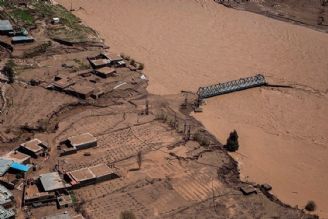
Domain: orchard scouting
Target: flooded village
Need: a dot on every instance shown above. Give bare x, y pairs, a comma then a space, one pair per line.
81, 137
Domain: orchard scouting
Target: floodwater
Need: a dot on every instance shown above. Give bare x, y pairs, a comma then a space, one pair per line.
190, 43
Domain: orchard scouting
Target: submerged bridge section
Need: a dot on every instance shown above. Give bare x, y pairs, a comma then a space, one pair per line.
230, 86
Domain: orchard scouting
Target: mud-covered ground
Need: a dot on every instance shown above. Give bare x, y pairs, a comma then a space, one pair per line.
311, 13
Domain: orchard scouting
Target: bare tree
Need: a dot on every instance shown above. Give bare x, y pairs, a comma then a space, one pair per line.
139, 159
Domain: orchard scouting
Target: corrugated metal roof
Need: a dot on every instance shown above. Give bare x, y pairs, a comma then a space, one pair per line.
51, 181
6, 213
5, 195
5, 25
20, 167
4, 165
22, 38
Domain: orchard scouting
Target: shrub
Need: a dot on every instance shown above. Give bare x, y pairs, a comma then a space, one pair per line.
127, 215
201, 139
232, 142
132, 62
141, 66
310, 206
9, 71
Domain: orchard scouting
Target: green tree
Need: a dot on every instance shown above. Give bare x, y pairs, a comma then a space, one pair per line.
232, 142
310, 206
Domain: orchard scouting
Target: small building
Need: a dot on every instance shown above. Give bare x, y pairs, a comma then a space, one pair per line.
82, 141
6, 213
22, 39
67, 151
85, 73
102, 172
248, 189
64, 201
18, 157
82, 91
4, 165
105, 72
51, 182
34, 148
20, 167
99, 61
5, 181
5, 27
115, 60
90, 175
62, 83
32, 194
6, 197
75, 143
266, 187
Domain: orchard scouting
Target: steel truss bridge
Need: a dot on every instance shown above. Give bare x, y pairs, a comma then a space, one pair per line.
231, 86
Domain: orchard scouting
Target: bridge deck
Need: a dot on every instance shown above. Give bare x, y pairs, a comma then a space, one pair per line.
231, 86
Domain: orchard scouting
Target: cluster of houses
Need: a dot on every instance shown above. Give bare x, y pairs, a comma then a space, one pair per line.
17, 36
17, 163
49, 187
55, 186
83, 84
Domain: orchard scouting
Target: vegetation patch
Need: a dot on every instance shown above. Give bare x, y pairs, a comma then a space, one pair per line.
9, 70
23, 16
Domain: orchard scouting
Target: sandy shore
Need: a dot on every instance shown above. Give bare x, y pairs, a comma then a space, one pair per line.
188, 43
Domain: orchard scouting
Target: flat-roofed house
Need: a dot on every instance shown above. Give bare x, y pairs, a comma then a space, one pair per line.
5, 27
62, 83
82, 141
4, 165
103, 172
90, 175
82, 91
51, 182
105, 72
18, 157
114, 58
99, 63
22, 39
6, 197
34, 147
6, 213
